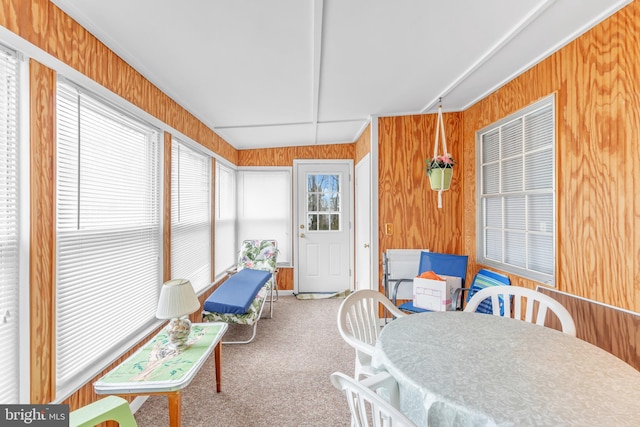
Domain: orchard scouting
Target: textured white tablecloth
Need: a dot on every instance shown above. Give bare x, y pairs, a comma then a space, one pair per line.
468, 369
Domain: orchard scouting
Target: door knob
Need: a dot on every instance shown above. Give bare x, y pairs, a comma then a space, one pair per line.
366, 245
301, 234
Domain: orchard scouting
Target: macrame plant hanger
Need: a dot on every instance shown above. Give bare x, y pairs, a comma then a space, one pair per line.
440, 128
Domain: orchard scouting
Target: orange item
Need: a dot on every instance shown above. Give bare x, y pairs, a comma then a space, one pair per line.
430, 275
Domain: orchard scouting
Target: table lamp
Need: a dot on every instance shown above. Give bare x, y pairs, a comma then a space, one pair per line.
177, 301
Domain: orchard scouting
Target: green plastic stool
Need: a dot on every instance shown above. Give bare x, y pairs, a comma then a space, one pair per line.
113, 408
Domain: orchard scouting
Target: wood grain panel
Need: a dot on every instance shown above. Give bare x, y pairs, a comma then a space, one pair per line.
405, 198
596, 79
610, 328
166, 211
363, 145
284, 156
285, 279
42, 83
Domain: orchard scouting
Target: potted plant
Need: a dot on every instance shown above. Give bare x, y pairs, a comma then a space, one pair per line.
439, 170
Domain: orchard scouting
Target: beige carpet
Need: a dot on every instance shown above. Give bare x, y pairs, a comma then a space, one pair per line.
280, 379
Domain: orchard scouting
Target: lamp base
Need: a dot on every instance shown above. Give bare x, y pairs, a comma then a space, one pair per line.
178, 332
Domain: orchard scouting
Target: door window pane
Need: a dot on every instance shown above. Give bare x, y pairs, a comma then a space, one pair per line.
323, 202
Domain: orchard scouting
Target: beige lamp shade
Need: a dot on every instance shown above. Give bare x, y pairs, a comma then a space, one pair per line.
177, 298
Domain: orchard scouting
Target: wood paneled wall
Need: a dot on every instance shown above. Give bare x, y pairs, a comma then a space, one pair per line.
405, 198
42, 232
363, 145
596, 79
612, 329
284, 156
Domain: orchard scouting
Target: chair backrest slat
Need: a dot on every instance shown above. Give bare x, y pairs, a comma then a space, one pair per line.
537, 305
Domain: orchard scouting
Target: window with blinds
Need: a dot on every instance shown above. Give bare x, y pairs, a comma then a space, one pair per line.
226, 246
190, 215
516, 193
9, 228
108, 232
264, 207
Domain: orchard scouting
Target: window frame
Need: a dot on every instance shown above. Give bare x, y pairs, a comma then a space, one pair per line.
177, 145
285, 246
14, 296
526, 271
229, 219
154, 170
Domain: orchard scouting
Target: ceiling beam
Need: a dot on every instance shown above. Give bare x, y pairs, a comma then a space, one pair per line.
504, 41
318, 10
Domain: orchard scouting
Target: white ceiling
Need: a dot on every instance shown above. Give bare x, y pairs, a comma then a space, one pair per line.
303, 72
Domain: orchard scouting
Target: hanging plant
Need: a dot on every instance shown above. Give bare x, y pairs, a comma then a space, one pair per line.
439, 170
440, 167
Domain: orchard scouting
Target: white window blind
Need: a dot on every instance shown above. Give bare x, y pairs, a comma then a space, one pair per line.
264, 207
108, 232
190, 215
225, 228
516, 193
9, 228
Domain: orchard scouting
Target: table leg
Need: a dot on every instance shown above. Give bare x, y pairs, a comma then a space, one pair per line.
217, 353
175, 408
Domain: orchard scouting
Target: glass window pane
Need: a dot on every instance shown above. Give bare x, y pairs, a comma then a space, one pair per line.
335, 222
312, 202
512, 175
491, 146
515, 244
541, 213
511, 139
493, 245
493, 212
324, 222
312, 222
539, 129
491, 178
541, 253
539, 170
515, 212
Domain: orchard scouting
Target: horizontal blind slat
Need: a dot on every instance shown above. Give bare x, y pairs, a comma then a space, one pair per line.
9, 228
108, 230
190, 215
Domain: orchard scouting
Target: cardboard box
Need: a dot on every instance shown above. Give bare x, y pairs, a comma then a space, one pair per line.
435, 295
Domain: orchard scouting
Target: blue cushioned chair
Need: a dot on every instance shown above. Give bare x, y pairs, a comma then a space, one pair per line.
445, 264
483, 279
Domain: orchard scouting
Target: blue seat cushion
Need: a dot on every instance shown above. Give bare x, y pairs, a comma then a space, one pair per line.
236, 294
484, 279
408, 306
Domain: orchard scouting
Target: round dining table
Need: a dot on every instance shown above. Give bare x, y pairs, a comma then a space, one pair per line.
469, 369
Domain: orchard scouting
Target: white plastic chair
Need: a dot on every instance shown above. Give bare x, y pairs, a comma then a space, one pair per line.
515, 295
366, 406
359, 324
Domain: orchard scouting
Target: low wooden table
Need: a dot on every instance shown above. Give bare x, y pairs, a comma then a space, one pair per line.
158, 369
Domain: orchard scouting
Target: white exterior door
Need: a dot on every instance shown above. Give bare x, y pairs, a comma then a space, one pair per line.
323, 226
363, 224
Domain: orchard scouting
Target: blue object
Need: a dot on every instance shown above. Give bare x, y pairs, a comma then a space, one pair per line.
237, 293
485, 278
445, 264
